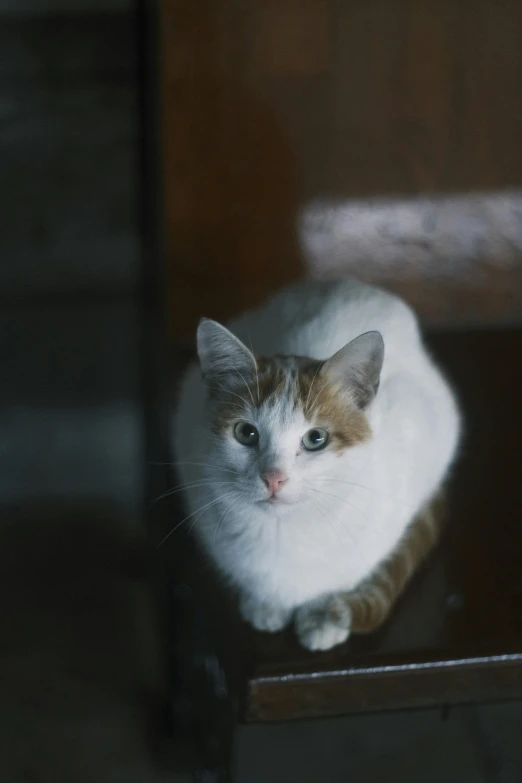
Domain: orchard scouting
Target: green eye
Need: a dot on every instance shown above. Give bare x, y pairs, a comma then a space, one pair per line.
246, 433
315, 439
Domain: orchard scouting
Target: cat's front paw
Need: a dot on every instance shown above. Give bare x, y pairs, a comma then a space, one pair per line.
264, 616
324, 623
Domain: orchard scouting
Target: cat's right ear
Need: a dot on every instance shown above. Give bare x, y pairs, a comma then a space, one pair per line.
358, 367
221, 353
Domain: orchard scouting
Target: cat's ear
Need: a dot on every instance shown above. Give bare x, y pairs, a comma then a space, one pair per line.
358, 367
220, 352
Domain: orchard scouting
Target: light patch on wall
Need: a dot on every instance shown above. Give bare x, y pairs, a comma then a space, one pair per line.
44, 7
450, 235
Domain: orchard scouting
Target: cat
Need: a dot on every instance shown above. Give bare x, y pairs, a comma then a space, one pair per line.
313, 441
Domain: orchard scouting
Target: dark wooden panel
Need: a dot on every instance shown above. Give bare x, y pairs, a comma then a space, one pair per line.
230, 176
412, 682
456, 635
271, 104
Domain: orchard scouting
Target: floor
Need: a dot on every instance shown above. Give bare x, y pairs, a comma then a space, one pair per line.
468, 745
71, 427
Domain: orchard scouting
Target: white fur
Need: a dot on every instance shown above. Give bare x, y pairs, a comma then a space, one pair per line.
341, 515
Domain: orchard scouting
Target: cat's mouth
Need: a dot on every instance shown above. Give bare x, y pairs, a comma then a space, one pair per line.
276, 500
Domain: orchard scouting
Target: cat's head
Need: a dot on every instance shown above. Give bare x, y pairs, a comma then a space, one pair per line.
280, 423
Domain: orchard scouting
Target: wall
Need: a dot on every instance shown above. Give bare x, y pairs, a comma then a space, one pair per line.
40, 7
69, 405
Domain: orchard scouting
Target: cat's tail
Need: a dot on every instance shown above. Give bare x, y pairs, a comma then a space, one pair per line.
371, 602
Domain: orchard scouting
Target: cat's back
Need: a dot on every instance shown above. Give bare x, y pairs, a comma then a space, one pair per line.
316, 319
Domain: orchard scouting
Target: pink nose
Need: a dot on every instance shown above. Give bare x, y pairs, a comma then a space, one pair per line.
274, 481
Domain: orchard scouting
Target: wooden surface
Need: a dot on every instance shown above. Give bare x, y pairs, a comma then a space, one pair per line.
456, 635
269, 105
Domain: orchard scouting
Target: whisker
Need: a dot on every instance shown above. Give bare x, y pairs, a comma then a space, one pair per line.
370, 489
327, 511
255, 363
223, 517
247, 386
196, 518
234, 405
350, 533
320, 491
308, 501
327, 517
311, 386
190, 485
199, 464
318, 393
203, 508
374, 527
229, 391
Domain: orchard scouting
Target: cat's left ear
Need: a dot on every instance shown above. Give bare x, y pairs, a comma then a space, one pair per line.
358, 367
221, 353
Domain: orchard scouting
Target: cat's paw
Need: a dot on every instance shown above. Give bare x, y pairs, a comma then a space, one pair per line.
324, 623
264, 616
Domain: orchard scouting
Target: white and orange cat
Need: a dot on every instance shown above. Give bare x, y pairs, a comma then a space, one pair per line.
313, 440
